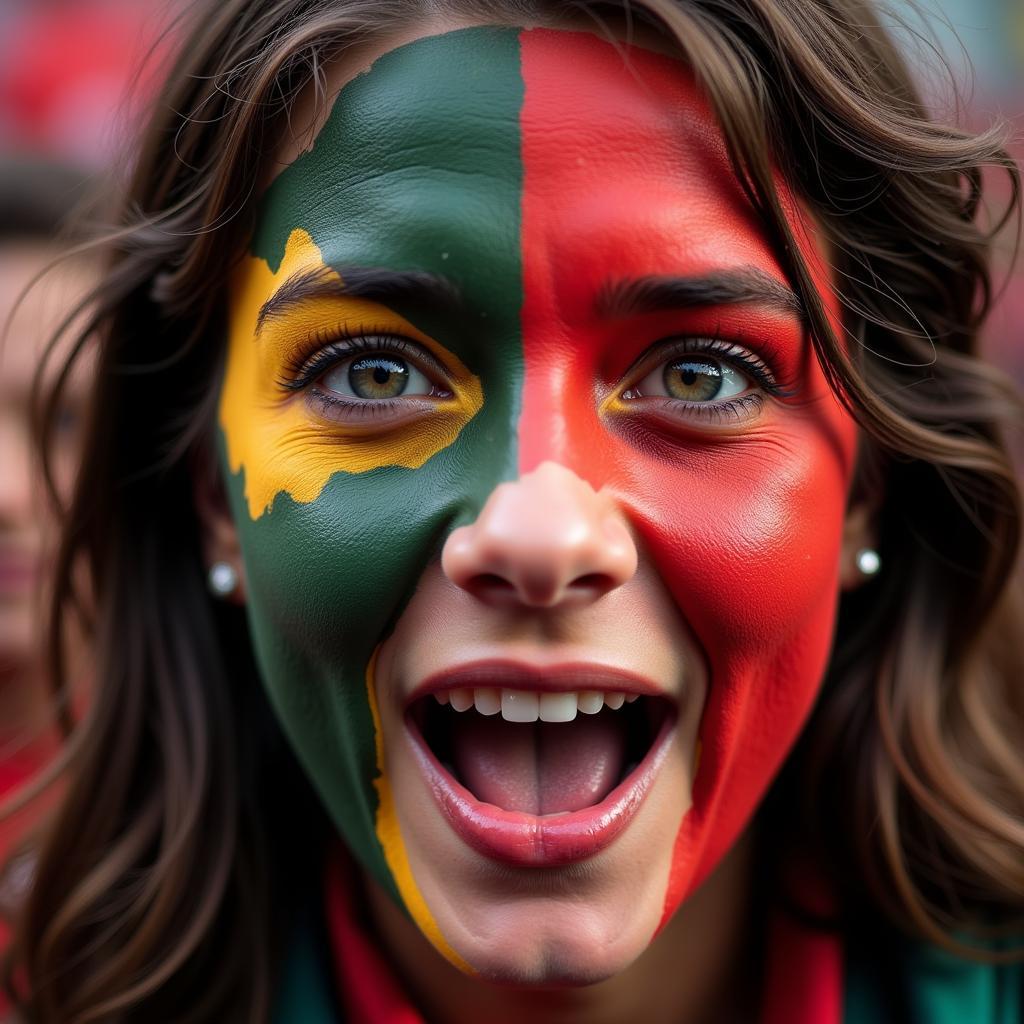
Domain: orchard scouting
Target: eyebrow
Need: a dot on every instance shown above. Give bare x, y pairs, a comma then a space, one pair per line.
718, 288
648, 294
376, 284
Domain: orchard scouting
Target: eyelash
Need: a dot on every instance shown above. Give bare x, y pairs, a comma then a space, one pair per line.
333, 347
751, 365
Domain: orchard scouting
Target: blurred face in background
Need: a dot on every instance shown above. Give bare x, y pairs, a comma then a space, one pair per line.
27, 533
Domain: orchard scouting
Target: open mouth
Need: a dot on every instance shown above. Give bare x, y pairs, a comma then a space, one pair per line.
538, 775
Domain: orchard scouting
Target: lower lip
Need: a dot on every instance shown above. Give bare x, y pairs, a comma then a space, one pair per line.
527, 840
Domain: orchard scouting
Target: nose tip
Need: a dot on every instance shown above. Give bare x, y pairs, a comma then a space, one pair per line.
546, 540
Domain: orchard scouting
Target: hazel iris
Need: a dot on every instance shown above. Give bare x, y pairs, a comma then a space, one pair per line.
378, 376
693, 380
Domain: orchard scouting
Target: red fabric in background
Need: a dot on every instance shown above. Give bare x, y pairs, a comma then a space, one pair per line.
369, 989
68, 86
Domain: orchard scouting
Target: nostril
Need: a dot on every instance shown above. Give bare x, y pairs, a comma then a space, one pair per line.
491, 582
597, 582
539, 591
522, 588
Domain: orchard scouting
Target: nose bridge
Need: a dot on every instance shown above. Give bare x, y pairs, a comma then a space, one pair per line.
543, 540
558, 420
544, 420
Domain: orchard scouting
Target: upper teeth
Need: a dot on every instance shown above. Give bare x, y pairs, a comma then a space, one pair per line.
529, 705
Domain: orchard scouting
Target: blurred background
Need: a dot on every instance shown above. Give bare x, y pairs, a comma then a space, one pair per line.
983, 41
70, 95
69, 75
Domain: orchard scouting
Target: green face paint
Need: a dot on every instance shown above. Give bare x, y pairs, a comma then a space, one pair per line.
336, 523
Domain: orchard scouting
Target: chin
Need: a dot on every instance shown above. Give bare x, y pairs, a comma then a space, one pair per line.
568, 925
548, 969
558, 947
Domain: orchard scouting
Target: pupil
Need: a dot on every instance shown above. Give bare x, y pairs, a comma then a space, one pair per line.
693, 380
376, 377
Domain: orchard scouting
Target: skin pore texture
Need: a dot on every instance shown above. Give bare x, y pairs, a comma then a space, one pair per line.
614, 453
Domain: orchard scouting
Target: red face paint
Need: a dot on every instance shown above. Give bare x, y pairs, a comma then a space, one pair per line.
626, 177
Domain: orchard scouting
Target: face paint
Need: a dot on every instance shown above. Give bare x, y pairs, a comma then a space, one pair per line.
741, 512
545, 188
308, 454
333, 545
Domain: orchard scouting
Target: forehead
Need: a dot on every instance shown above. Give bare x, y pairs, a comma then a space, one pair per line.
427, 156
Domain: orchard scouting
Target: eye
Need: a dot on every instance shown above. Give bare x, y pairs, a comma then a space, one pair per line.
693, 378
699, 381
376, 376
367, 373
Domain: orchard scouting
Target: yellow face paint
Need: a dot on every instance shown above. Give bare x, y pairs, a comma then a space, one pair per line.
389, 835
272, 433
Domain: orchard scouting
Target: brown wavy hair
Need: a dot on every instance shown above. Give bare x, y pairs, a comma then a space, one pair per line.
164, 885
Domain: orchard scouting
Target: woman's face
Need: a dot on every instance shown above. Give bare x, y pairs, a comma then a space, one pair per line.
520, 414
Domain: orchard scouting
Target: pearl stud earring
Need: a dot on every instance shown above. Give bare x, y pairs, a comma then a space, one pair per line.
868, 562
222, 579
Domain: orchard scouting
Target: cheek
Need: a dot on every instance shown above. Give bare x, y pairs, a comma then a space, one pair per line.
324, 579
747, 541
746, 536
745, 531
327, 578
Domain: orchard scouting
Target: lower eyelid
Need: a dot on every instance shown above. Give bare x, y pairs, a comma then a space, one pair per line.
735, 409
677, 414
338, 407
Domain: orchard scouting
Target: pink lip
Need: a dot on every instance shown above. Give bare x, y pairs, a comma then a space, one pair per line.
528, 840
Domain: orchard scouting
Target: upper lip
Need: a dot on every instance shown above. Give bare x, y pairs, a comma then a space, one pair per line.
510, 674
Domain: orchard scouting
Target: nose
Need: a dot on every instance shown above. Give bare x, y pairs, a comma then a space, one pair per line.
545, 540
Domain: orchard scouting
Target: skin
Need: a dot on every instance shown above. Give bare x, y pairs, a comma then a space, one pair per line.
26, 533
701, 548
697, 969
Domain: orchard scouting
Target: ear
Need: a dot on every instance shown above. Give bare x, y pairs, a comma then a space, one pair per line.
218, 536
859, 532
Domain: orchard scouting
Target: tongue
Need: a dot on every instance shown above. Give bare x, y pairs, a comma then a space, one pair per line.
542, 767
